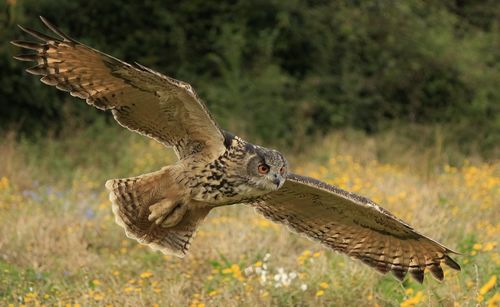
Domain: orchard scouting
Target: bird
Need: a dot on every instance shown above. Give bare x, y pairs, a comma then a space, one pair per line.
216, 168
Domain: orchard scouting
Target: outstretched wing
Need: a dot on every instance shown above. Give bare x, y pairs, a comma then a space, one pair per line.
140, 99
356, 226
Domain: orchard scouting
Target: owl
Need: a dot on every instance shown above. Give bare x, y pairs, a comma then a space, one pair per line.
216, 168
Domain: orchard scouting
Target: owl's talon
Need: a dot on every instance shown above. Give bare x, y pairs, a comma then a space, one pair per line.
167, 213
160, 210
174, 217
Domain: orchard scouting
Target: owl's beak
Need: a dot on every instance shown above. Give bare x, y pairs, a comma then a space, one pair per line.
278, 181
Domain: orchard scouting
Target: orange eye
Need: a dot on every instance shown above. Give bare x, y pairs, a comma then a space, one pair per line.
263, 169
282, 170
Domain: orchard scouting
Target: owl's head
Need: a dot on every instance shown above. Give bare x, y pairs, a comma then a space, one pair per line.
266, 169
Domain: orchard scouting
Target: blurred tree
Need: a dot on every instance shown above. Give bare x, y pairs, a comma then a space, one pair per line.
279, 70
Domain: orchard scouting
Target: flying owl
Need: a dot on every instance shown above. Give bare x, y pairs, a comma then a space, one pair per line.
216, 168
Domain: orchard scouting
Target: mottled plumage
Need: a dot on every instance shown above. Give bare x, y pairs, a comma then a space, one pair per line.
215, 168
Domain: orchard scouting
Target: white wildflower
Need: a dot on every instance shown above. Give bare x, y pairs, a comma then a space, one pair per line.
263, 277
248, 270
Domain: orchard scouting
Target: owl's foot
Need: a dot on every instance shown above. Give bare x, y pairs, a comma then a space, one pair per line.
167, 213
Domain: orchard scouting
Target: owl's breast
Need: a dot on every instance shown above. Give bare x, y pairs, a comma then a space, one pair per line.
222, 181
220, 190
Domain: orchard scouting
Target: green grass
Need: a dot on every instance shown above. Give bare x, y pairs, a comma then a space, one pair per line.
59, 244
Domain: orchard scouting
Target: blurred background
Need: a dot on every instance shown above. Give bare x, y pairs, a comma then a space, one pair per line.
398, 101
281, 72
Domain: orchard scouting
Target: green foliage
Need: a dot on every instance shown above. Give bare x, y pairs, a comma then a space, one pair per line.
281, 70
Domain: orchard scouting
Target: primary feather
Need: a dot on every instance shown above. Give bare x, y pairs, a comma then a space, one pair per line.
140, 99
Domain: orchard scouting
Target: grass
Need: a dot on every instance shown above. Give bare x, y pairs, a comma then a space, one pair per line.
59, 244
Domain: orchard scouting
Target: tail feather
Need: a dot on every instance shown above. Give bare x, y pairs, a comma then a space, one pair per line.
131, 199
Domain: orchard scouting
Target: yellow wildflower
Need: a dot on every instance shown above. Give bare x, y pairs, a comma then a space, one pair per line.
146, 274
96, 282
412, 301
4, 183
29, 297
489, 246
323, 285
235, 267
486, 287
320, 293
128, 289
98, 296
494, 300
469, 283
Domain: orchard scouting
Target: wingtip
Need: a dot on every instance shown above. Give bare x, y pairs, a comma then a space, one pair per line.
451, 251
54, 29
27, 45
418, 275
46, 22
25, 57
399, 274
37, 70
437, 272
452, 263
23, 28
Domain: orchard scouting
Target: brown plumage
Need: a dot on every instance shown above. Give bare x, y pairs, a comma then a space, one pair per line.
354, 225
215, 168
169, 110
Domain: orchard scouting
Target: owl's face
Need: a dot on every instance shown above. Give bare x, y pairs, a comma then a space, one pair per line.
267, 169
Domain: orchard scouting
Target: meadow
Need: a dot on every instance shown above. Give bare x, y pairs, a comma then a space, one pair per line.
60, 246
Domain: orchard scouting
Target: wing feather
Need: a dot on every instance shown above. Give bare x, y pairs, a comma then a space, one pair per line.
356, 226
140, 98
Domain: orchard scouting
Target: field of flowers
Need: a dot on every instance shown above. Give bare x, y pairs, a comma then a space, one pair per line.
59, 244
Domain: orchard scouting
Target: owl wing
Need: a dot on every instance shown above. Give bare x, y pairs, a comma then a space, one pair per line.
354, 225
140, 99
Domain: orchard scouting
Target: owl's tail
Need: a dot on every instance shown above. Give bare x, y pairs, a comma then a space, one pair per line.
133, 200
